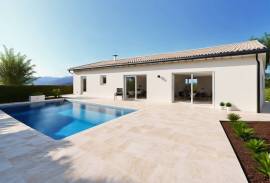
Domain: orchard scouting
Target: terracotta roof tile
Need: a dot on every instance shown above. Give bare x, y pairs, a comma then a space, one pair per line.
216, 51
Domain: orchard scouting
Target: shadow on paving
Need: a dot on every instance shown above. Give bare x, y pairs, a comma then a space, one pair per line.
27, 156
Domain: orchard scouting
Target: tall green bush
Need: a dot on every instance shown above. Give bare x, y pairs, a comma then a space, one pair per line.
15, 68
22, 93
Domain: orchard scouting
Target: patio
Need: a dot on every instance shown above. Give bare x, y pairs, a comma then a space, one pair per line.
158, 143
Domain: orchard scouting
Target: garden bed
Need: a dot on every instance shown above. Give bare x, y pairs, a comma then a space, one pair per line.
262, 130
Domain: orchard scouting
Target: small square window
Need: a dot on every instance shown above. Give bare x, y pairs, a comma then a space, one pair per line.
103, 80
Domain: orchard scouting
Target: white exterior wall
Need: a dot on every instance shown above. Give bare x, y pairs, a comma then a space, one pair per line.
234, 80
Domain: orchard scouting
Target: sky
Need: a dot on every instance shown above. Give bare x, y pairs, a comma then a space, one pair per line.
59, 34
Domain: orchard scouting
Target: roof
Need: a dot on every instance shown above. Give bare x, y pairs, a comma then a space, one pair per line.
242, 48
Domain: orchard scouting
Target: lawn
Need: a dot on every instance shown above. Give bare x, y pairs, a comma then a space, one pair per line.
267, 94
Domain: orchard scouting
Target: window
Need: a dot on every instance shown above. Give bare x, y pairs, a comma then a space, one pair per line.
103, 80
189, 81
84, 84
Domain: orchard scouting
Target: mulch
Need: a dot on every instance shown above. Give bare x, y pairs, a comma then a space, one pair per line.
262, 130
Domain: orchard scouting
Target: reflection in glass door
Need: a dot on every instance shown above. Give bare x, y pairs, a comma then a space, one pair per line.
141, 87
130, 83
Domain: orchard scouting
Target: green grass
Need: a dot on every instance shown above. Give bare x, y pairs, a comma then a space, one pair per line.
267, 94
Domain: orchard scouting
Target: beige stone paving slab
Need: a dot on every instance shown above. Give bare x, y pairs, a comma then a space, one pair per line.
4, 163
157, 143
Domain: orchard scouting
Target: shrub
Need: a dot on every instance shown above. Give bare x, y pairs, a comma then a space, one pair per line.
56, 92
242, 130
257, 145
239, 124
22, 93
228, 104
263, 160
221, 104
36, 93
246, 133
233, 117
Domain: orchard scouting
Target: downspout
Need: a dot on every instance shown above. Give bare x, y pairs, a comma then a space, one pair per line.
258, 85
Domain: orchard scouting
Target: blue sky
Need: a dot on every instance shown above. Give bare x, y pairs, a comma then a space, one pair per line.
58, 34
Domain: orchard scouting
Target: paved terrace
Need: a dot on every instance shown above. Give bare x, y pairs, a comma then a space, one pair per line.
163, 143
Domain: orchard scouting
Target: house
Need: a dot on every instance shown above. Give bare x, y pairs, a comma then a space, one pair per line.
227, 73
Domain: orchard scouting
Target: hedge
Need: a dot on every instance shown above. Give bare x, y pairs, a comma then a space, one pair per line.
22, 93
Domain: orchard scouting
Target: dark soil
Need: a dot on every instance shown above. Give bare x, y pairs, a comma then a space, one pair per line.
262, 130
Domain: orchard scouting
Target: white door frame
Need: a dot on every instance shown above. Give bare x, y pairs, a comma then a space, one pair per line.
211, 73
135, 76
191, 88
81, 84
125, 86
213, 89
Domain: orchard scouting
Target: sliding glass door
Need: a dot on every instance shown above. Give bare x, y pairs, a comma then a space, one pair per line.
130, 85
193, 87
135, 87
141, 86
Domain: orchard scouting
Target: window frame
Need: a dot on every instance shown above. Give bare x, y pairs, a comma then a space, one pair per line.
84, 84
102, 79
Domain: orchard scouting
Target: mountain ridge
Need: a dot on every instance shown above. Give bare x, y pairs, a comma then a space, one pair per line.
50, 80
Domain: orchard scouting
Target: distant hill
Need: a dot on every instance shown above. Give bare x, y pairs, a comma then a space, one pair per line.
47, 80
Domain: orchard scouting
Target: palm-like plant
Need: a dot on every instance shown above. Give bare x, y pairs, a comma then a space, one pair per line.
242, 130
265, 39
15, 68
239, 125
257, 145
263, 160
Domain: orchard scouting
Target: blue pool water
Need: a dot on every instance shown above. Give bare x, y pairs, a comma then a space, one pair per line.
62, 119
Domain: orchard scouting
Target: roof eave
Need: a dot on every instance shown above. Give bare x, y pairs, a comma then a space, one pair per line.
239, 53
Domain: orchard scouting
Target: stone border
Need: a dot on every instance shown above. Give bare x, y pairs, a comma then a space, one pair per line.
28, 102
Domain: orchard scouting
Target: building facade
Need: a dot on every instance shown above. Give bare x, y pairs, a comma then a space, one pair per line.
209, 75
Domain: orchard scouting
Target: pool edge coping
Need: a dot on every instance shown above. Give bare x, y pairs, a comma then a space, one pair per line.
68, 138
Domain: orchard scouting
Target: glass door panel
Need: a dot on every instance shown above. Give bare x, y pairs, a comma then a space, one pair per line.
130, 83
187, 89
141, 86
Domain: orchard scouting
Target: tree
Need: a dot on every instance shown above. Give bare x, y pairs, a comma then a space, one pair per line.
265, 39
15, 68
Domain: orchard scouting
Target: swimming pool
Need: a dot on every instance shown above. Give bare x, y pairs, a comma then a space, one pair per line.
63, 118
